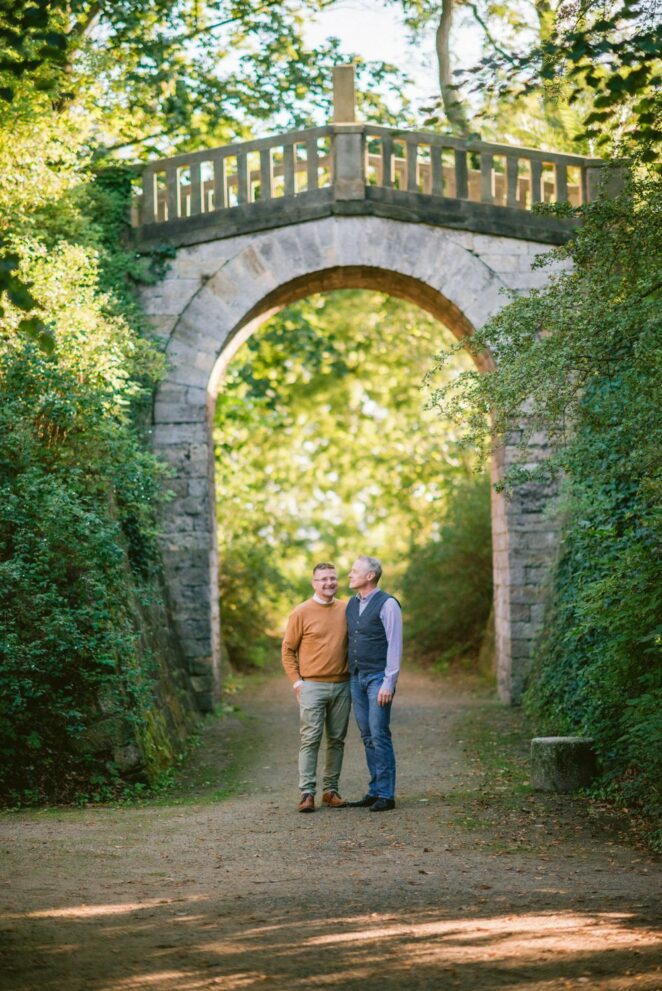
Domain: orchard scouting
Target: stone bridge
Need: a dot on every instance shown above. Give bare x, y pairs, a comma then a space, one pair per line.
443, 222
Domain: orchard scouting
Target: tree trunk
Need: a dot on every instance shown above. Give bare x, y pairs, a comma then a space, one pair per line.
452, 105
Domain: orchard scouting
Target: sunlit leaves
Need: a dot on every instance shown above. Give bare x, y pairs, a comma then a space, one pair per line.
611, 57
323, 443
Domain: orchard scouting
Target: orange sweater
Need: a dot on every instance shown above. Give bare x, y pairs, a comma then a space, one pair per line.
315, 643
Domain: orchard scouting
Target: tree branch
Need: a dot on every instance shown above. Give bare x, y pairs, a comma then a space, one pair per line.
139, 141
228, 20
495, 45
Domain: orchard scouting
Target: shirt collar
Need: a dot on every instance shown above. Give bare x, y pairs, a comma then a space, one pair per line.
367, 597
316, 598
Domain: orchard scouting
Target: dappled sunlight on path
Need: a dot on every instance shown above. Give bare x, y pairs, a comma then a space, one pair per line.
245, 894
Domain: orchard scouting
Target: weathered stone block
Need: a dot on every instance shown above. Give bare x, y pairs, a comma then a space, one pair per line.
197, 648
200, 666
490, 301
524, 631
501, 263
525, 593
169, 296
195, 505
204, 701
167, 434
562, 763
520, 649
520, 613
162, 326
538, 614
198, 486
169, 412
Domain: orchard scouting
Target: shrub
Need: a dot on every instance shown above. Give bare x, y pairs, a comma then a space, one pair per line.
447, 587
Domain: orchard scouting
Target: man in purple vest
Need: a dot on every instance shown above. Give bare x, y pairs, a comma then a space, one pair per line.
374, 629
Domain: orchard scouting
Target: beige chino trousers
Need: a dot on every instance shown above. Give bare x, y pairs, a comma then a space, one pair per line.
324, 705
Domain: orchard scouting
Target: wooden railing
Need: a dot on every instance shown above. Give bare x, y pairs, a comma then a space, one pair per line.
348, 159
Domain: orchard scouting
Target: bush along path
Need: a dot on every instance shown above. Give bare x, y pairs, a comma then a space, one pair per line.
472, 882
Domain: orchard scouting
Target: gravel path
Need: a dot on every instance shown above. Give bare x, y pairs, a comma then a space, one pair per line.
225, 886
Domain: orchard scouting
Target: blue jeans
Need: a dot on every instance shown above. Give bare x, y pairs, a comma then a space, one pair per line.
373, 721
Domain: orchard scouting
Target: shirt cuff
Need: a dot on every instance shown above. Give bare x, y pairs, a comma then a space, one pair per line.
297, 683
389, 683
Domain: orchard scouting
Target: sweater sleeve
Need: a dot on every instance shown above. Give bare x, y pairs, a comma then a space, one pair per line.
290, 649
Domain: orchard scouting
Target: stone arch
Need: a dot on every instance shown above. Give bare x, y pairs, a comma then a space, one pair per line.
226, 288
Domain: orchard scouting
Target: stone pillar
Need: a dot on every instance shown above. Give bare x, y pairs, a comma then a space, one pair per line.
604, 179
188, 540
349, 162
348, 138
344, 94
525, 540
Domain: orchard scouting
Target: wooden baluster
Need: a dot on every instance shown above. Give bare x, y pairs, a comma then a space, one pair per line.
486, 177
512, 163
313, 164
412, 166
387, 161
536, 181
220, 198
461, 175
437, 171
148, 206
561, 176
172, 191
266, 174
288, 170
196, 190
243, 182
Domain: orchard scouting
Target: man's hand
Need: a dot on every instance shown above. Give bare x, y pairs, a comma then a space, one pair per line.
384, 697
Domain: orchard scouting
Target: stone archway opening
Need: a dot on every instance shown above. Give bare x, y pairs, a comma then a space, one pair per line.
341, 501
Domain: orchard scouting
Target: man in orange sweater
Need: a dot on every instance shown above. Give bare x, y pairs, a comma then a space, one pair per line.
314, 656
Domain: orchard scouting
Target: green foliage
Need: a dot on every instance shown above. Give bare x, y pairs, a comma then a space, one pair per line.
324, 450
78, 489
447, 587
176, 74
583, 358
603, 58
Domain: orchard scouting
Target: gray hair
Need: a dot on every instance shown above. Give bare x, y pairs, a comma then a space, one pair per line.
374, 564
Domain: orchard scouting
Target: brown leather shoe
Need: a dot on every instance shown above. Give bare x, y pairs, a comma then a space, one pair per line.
333, 800
307, 803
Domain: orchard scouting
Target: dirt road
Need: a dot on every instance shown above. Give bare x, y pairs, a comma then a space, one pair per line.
471, 883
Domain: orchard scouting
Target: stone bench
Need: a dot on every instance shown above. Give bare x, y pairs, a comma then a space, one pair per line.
562, 763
